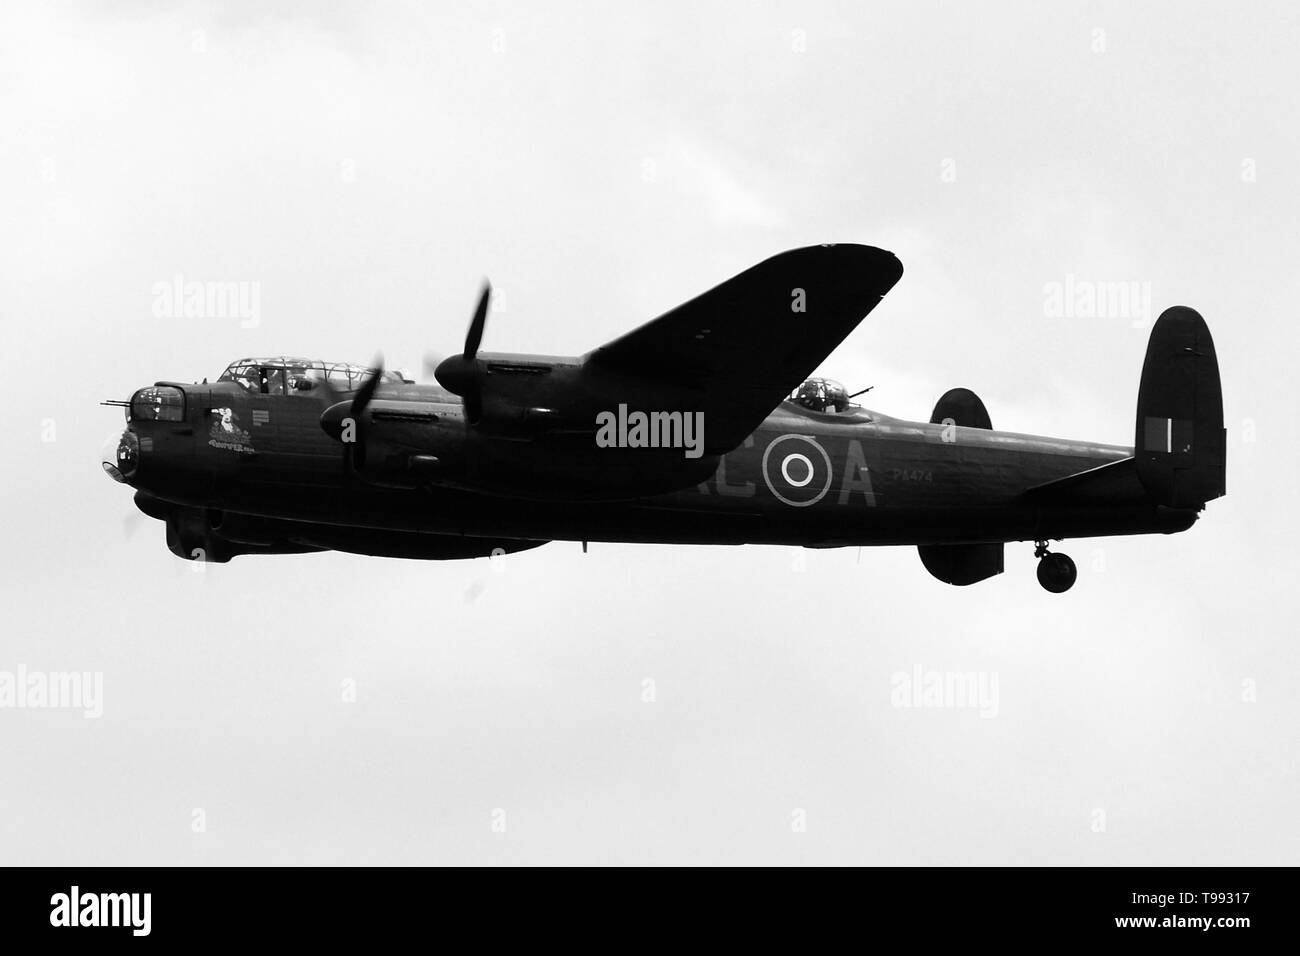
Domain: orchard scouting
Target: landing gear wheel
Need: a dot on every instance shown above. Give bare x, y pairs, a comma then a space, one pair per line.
1056, 572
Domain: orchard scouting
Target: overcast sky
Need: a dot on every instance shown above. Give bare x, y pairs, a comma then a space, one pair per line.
366, 168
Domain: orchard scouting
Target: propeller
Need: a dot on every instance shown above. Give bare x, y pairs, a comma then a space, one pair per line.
475, 334
367, 390
459, 374
333, 419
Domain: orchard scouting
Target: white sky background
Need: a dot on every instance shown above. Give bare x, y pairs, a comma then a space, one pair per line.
214, 140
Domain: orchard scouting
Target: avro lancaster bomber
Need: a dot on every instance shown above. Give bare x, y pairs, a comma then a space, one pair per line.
702, 426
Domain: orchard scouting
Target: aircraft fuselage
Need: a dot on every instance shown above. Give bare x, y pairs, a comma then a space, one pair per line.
802, 478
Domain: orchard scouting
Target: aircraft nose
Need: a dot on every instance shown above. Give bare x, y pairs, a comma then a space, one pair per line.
120, 457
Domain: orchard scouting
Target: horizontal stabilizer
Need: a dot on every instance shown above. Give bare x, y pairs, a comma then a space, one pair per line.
1116, 481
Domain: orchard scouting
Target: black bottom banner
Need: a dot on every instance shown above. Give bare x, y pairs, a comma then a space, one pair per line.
1173, 906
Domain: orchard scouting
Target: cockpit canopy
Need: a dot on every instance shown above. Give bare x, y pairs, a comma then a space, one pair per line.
283, 375
822, 395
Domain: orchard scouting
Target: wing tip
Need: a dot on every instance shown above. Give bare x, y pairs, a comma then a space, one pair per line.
853, 256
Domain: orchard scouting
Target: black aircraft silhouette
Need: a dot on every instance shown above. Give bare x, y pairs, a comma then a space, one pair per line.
700, 427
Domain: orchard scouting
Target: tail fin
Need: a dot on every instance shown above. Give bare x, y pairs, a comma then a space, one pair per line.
961, 406
961, 564
1181, 446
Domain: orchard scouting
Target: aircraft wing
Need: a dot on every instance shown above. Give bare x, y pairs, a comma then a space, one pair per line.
737, 350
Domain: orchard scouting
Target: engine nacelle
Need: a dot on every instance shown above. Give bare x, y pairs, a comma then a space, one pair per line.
400, 444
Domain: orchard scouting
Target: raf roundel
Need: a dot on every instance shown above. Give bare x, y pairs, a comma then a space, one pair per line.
797, 470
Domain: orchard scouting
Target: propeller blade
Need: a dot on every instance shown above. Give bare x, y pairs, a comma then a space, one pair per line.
459, 374
475, 334
367, 390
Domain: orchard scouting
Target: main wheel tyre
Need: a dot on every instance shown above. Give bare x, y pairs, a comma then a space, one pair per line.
1056, 572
